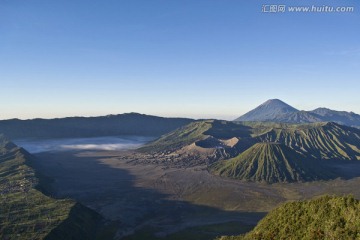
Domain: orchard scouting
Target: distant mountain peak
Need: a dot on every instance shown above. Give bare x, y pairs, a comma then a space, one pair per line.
275, 110
268, 111
323, 108
278, 103
274, 101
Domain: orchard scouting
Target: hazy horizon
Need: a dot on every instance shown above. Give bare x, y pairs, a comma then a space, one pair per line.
206, 116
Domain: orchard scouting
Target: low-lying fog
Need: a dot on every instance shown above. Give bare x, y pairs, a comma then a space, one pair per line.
95, 143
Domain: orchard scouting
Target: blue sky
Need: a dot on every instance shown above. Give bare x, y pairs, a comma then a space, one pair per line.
203, 58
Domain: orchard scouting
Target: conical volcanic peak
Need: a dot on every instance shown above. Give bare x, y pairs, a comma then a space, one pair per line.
268, 111
275, 110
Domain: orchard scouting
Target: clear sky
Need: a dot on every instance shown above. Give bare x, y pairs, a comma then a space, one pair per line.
193, 58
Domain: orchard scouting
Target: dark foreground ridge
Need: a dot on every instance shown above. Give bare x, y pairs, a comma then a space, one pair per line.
326, 217
27, 213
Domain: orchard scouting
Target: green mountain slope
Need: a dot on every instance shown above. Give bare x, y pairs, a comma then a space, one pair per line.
326, 217
179, 138
196, 132
270, 162
26, 213
256, 151
320, 141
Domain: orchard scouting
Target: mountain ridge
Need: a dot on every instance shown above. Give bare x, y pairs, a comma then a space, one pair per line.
268, 110
27, 212
109, 125
271, 162
221, 146
292, 115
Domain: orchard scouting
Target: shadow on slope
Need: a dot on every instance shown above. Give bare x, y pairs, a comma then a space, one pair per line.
344, 169
79, 225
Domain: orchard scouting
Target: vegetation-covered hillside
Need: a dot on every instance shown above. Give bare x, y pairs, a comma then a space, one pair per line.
180, 137
320, 140
326, 217
271, 162
206, 140
270, 152
26, 213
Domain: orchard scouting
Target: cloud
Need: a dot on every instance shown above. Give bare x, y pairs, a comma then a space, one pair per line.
99, 143
110, 147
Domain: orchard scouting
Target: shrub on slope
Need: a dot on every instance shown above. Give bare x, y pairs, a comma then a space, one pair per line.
326, 217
